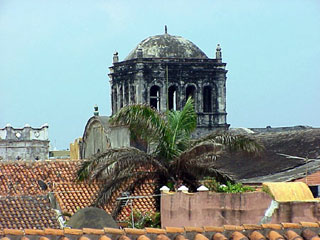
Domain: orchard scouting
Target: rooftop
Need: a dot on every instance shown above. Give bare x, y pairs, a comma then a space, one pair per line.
289, 231
166, 46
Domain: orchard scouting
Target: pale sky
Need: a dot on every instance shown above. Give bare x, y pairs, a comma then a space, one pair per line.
54, 57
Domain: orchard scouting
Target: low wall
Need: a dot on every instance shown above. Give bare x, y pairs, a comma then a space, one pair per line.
216, 209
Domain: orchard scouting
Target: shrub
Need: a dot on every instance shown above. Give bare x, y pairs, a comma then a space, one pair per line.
215, 186
144, 219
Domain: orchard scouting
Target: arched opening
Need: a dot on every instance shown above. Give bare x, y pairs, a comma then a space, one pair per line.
115, 100
121, 96
155, 97
172, 92
207, 99
191, 92
126, 94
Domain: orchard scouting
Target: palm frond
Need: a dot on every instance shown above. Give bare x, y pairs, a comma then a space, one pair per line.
179, 126
184, 121
232, 142
143, 120
127, 182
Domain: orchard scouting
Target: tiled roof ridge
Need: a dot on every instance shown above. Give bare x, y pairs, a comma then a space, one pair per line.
41, 161
290, 231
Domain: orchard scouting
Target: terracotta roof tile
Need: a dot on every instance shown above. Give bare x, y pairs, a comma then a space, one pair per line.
34, 232
180, 237
194, 229
23, 212
213, 229
272, 226
134, 231
219, 236
156, 230
104, 237
123, 237
44, 238
200, 236
143, 237
93, 231
309, 224
233, 228
51, 231
13, 232
21, 178
251, 226
84, 238
162, 237
292, 235
308, 233
113, 231
255, 235
73, 231
174, 230
273, 235
238, 236
291, 225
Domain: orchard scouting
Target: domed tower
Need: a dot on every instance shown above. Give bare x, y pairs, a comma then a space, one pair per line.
163, 71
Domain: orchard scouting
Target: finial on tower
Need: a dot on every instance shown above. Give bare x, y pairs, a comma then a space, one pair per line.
96, 110
115, 57
218, 53
165, 29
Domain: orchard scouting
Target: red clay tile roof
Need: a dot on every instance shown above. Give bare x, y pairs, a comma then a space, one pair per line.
21, 212
311, 180
302, 231
21, 178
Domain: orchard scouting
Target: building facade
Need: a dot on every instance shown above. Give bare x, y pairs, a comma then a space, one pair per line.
25, 143
163, 71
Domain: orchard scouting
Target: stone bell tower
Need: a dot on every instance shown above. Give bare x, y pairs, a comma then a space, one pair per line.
163, 71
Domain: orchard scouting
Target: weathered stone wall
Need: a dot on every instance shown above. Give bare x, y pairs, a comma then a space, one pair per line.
216, 209
11, 150
132, 82
25, 143
99, 136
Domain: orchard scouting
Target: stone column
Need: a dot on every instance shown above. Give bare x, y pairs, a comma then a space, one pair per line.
139, 79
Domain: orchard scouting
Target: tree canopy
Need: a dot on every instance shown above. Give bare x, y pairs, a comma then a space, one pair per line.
173, 157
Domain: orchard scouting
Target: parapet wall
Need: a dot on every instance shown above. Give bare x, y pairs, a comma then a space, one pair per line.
216, 209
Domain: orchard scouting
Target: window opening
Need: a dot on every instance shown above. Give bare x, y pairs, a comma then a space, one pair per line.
190, 92
172, 98
207, 99
155, 97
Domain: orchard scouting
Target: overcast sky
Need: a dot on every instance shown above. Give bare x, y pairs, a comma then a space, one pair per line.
54, 57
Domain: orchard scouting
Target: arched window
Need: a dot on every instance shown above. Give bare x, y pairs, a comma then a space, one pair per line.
172, 92
191, 92
121, 96
115, 100
126, 94
155, 97
207, 99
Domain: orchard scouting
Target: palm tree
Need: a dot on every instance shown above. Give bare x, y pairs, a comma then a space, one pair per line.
172, 157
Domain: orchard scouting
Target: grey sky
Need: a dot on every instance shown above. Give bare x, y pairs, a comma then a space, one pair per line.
54, 57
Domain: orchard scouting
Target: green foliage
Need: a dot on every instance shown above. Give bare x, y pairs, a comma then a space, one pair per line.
229, 187
173, 157
234, 188
144, 219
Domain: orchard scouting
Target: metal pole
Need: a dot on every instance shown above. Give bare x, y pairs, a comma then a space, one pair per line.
132, 218
167, 83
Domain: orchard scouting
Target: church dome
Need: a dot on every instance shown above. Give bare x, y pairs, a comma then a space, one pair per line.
166, 46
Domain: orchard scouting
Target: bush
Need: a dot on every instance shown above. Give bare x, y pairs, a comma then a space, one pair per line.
234, 188
215, 186
144, 219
